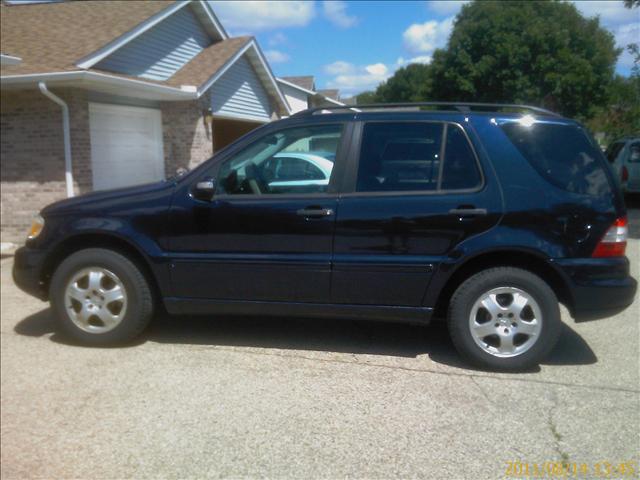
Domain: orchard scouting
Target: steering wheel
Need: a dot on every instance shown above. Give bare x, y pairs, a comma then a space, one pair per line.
256, 181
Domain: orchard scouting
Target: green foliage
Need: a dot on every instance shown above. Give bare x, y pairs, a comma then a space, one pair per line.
409, 84
621, 116
542, 53
366, 97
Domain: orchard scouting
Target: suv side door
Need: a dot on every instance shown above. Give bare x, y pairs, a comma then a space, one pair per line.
406, 210
247, 243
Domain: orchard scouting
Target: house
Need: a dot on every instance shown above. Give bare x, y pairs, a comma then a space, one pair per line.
301, 93
106, 94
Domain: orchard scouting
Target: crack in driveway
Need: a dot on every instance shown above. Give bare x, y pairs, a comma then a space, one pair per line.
427, 370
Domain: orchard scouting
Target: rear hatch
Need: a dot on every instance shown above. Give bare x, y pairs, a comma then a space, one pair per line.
584, 192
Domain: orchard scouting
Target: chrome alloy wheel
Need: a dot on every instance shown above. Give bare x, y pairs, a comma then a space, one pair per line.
95, 300
505, 322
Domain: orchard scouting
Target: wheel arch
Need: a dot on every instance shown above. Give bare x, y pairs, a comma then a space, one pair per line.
108, 241
524, 259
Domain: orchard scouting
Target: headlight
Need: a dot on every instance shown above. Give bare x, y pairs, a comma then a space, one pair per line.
36, 227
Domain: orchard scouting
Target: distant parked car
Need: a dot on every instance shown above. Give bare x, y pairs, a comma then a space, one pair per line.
624, 156
298, 172
477, 213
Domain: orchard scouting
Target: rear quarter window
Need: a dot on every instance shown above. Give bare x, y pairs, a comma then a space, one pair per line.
563, 155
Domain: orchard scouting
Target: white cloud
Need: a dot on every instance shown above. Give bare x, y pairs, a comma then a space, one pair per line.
339, 68
277, 38
356, 79
276, 56
256, 15
426, 37
401, 62
377, 69
626, 34
446, 7
336, 12
624, 23
352, 79
610, 12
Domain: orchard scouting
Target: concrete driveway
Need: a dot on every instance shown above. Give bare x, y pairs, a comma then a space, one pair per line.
256, 397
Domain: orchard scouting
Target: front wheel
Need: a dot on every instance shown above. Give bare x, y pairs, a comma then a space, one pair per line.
101, 297
504, 318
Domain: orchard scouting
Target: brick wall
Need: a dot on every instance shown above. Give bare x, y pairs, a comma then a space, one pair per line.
32, 155
187, 139
32, 149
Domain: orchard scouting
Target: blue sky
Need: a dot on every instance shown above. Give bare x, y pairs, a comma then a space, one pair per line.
355, 45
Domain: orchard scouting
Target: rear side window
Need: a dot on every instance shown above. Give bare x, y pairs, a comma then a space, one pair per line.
634, 153
406, 156
563, 155
460, 170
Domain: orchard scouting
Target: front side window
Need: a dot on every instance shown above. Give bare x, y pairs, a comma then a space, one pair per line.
292, 161
406, 156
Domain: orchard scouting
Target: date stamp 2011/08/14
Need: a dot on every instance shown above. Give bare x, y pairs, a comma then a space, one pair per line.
603, 469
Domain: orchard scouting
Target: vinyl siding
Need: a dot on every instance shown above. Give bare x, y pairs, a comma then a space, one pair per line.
296, 99
239, 93
161, 51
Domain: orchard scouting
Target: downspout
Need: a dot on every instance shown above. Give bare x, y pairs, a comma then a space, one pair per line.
68, 172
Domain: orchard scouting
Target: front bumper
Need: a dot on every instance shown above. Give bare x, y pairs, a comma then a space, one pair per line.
599, 287
27, 272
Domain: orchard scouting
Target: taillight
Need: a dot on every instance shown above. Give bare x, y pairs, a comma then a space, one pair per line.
614, 242
625, 175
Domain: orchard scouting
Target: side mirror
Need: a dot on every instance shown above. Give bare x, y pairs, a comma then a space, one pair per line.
205, 189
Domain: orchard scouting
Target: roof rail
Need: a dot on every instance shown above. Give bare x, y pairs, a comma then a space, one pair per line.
439, 106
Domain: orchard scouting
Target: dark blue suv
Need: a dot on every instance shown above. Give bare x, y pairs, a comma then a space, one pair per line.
486, 215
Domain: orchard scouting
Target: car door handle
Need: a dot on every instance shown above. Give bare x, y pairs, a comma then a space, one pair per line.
313, 212
468, 212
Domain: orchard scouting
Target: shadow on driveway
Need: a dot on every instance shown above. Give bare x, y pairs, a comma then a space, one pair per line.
343, 336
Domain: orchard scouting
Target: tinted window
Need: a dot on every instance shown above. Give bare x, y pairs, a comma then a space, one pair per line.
634, 153
293, 168
287, 161
563, 155
460, 169
399, 157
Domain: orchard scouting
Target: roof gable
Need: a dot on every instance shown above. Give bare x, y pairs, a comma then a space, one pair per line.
161, 51
240, 93
40, 34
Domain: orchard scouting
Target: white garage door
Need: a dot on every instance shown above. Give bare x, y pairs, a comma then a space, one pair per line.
126, 145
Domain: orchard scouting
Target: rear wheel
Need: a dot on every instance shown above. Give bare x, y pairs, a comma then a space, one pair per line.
504, 319
101, 297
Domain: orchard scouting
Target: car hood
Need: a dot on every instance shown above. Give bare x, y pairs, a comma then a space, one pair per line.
109, 199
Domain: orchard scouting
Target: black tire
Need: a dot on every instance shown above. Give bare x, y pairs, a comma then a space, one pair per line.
464, 298
140, 304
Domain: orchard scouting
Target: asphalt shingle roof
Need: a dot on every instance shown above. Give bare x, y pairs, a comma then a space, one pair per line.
53, 37
208, 62
304, 81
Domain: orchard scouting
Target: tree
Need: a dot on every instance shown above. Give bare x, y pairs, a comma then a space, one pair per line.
622, 115
542, 53
631, 3
409, 84
366, 97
